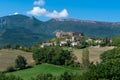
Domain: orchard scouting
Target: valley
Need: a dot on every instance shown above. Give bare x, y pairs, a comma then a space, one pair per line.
59, 40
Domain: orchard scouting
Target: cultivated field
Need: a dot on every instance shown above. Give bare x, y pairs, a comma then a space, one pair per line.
94, 53
8, 56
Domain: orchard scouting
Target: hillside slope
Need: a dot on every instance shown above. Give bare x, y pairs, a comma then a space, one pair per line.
43, 69
26, 30
20, 29
8, 56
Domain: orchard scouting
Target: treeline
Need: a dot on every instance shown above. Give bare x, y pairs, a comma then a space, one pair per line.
108, 41
47, 76
53, 55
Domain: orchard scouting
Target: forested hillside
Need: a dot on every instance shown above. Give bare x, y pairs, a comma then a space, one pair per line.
24, 30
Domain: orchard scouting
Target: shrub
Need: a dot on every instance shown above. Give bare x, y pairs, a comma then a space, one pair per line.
10, 69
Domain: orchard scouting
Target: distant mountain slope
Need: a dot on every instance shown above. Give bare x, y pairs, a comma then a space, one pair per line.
21, 36
20, 29
26, 30
89, 28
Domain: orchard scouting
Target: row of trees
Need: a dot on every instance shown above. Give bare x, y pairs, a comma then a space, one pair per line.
8, 46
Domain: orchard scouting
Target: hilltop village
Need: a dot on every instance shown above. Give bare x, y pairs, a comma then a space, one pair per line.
75, 39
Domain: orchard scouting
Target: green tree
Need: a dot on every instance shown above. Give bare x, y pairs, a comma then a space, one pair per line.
107, 69
66, 76
7, 46
39, 55
20, 62
85, 59
2, 76
53, 55
10, 69
116, 41
16, 46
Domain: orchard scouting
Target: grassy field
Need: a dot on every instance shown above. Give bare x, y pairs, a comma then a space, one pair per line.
43, 68
94, 53
8, 56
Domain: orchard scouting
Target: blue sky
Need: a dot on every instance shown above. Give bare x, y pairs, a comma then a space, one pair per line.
100, 10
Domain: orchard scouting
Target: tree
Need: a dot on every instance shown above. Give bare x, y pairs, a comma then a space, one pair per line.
44, 77
116, 41
20, 62
39, 55
7, 46
53, 55
85, 59
16, 46
66, 76
107, 69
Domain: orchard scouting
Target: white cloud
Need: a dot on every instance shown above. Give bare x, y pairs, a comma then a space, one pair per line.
16, 13
39, 2
37, 11
56, 14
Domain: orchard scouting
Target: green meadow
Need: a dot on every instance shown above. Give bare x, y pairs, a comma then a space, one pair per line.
26, 74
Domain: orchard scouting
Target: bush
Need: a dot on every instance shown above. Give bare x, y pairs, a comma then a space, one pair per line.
66, 76
10, 69
44, 77
9, 77
12, 77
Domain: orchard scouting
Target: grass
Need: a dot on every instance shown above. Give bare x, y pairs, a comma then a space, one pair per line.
94, 53
8, 56
44, 68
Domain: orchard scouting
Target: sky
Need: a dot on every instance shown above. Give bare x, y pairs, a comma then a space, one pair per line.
97, 10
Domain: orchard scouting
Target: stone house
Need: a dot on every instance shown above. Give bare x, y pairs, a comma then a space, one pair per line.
46, 44
75, 44
69, 34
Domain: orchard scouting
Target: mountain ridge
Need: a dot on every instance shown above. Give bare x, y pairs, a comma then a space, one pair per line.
39, 31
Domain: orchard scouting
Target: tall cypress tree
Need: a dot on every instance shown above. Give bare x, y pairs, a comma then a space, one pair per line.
85, 59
